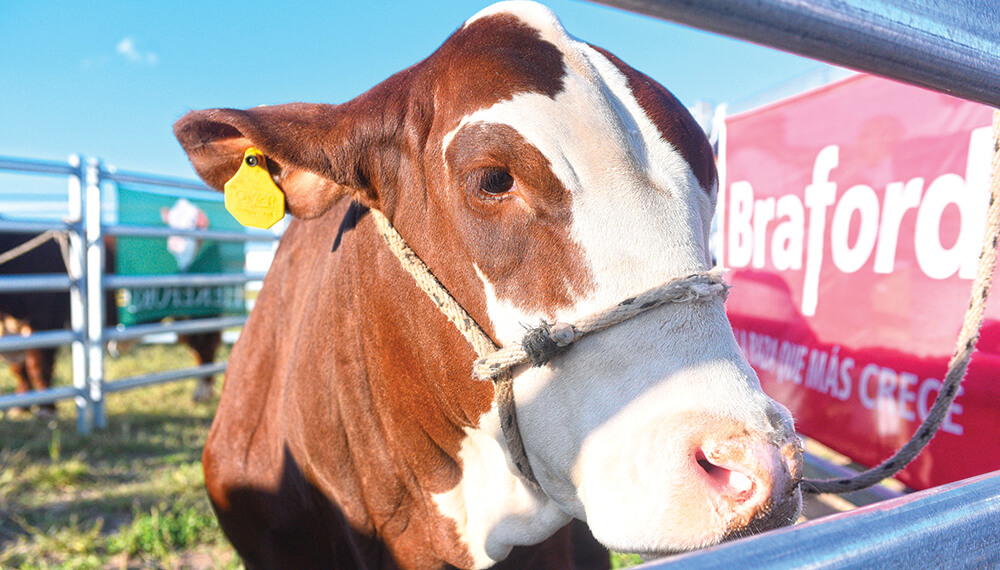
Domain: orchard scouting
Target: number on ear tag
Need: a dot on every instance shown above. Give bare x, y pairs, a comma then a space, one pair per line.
252, 197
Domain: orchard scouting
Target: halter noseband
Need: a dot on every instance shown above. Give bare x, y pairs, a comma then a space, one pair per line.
539, 344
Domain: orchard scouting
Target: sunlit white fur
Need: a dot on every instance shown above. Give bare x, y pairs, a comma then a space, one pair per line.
492, 508
531, 13
600, 423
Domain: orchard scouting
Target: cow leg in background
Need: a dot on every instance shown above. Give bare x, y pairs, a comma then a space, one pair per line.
203, 346
17, 368
39, 365
34, 372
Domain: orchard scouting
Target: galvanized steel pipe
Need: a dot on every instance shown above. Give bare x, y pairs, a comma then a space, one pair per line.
952, 47
952, 526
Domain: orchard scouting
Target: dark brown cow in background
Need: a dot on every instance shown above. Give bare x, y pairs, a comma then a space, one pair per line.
24, 312
540, 179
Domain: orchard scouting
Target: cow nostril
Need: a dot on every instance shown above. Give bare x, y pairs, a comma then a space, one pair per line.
729, 482
706, 465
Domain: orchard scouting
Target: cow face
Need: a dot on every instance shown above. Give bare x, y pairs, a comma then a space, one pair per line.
540, 178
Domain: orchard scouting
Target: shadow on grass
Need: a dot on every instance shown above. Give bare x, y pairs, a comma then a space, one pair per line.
131, 492
135, 435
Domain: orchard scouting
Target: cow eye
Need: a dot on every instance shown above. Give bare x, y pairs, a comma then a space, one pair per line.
496, 181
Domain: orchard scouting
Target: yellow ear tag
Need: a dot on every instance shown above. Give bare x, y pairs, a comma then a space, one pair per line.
252, 197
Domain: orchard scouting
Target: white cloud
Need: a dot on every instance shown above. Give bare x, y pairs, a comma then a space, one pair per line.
126, 48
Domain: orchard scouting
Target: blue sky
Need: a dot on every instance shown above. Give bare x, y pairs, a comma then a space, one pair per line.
109, 78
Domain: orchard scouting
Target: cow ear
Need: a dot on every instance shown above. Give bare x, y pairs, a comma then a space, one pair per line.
315, 153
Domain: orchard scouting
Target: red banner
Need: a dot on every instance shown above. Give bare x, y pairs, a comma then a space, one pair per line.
851, 218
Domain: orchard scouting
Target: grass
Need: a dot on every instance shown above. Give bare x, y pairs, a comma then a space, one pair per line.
619, 560
130, 496
127, 497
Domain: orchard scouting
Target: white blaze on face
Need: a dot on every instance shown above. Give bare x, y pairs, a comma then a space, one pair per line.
184, 215
616, 427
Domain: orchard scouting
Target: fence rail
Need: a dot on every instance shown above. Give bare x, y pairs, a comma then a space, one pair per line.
193, 279
13, 226
177, 327
43, 339
952, 526
162, 377
35, 282
952, 47
87, 284
70, 168
131, 230
42, 397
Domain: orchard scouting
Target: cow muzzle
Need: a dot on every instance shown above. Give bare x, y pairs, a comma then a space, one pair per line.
753, 483
699, 480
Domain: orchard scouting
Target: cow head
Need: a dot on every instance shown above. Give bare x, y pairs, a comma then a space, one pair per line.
542, 178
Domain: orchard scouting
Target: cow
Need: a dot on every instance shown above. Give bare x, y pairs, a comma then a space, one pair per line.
539, 179
25, 312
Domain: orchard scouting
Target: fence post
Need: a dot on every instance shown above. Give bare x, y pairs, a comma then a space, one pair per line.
76, 263
95, 292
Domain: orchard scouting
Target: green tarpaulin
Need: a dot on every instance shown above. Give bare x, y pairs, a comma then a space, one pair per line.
164, 256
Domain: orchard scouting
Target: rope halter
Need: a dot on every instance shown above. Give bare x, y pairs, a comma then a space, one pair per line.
539, 344
545, 341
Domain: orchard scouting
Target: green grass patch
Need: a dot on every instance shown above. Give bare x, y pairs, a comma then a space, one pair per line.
129, 496
619, 560
160, 533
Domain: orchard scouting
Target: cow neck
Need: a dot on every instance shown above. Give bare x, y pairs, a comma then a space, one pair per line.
503, 382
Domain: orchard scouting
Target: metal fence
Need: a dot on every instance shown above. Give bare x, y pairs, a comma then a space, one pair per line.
86, 283
952, 526
952, 47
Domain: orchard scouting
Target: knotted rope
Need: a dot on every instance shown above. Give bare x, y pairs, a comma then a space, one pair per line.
959, 363
545, 341
540, 343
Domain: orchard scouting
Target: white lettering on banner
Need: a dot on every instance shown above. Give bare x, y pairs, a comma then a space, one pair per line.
819, 195
791, 362
891, 394
860, 199
763, 213
934, 259
828, 375
879, 223
899, 198
786, 243
924, 403
140, 300
740, 215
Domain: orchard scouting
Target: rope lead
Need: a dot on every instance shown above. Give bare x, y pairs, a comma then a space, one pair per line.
959, 363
